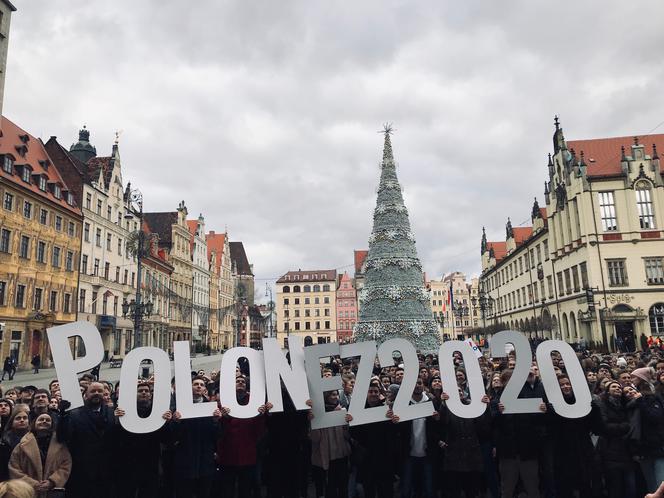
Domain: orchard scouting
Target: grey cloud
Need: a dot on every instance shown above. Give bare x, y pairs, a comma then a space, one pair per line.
262, 115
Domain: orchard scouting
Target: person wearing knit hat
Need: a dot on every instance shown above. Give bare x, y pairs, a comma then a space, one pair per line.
643, 375
621, 362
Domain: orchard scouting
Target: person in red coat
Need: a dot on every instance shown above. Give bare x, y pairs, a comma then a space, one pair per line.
236, 448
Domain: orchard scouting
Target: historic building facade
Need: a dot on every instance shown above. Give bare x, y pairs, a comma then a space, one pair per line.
200, 323
222, 287
108, 266
346, 308
306, 305
40, 246
175, 240
601, 231
461, 318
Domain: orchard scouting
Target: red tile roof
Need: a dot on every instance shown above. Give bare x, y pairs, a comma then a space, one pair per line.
521, 234
499, 249
602, 155
360, 257
28, 150
105, 164
215, 243
239, 259
311, 276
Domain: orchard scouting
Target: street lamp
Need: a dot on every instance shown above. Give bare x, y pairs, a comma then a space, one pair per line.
460, 310
270, 306
134, 208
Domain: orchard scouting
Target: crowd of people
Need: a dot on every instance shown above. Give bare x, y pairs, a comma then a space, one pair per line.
617, 450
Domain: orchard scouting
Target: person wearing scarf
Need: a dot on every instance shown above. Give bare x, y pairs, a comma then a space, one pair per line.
39, 459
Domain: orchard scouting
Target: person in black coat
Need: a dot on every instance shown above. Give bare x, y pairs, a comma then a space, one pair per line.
518, 438
374, 449
573, 451
462, 440
194, 444
137, 455
86, 432
614, 446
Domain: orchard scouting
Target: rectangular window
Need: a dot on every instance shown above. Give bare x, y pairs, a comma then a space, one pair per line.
20, 296
25, 174
545, 249
568, 282
94, 303
104, 305
115, 306
575, 278
69, 262
42, 183
86, 232
71, 230
617, 272
99, 206
109, 212
561, 289
66, 303
549, 284
607, 209
43, 216
109, 238
8, 202
124, 278
3, 292
56, 257
84, 264
96, 268
27, 209
8, 164
107, 269
119, 247
583, 268
58, 223
654, 270
88, 200
117, 274
98, 237
81, 301
644, 207
24, 250
327, 325
38, 299
133, 277
297, 325
53, 303
539, 253
41, 252
5, 240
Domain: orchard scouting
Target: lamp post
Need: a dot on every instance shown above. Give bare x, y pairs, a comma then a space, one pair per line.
270, 306
240, 322
136, 308
486, 303
460, 310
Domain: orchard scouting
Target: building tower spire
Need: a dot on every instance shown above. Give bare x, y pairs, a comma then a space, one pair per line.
394, 300
484, 243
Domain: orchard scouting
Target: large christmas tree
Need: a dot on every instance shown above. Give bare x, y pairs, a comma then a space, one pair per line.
394, 302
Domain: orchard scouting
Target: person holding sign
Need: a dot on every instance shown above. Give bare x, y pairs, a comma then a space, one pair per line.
330, 449
86, 431
195, 441
137, 455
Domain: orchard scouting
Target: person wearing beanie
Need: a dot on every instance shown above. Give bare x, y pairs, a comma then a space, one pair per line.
649, 428
621, 362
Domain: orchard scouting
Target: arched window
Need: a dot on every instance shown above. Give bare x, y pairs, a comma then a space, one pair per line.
296, 288
307, 288
656, 316
316, 288
644, 205
326, 288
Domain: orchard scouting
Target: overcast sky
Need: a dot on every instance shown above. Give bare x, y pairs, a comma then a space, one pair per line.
262, 115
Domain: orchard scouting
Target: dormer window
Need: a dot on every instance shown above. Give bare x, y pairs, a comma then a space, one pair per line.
8, 164
57, 192
70, 199
42, 183
25, 174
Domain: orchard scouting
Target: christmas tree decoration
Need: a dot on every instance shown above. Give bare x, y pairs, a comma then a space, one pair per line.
394, 302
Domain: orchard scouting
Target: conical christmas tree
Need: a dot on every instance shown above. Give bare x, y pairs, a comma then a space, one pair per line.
394, 302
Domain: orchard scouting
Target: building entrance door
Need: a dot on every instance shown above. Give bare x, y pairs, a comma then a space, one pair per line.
625, 336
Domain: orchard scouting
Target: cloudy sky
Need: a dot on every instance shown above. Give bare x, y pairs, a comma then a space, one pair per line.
262, 115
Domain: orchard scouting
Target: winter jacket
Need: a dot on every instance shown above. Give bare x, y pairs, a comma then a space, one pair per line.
614, 441
26, 463
463, 437
650, 422
240, 436
194, 444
